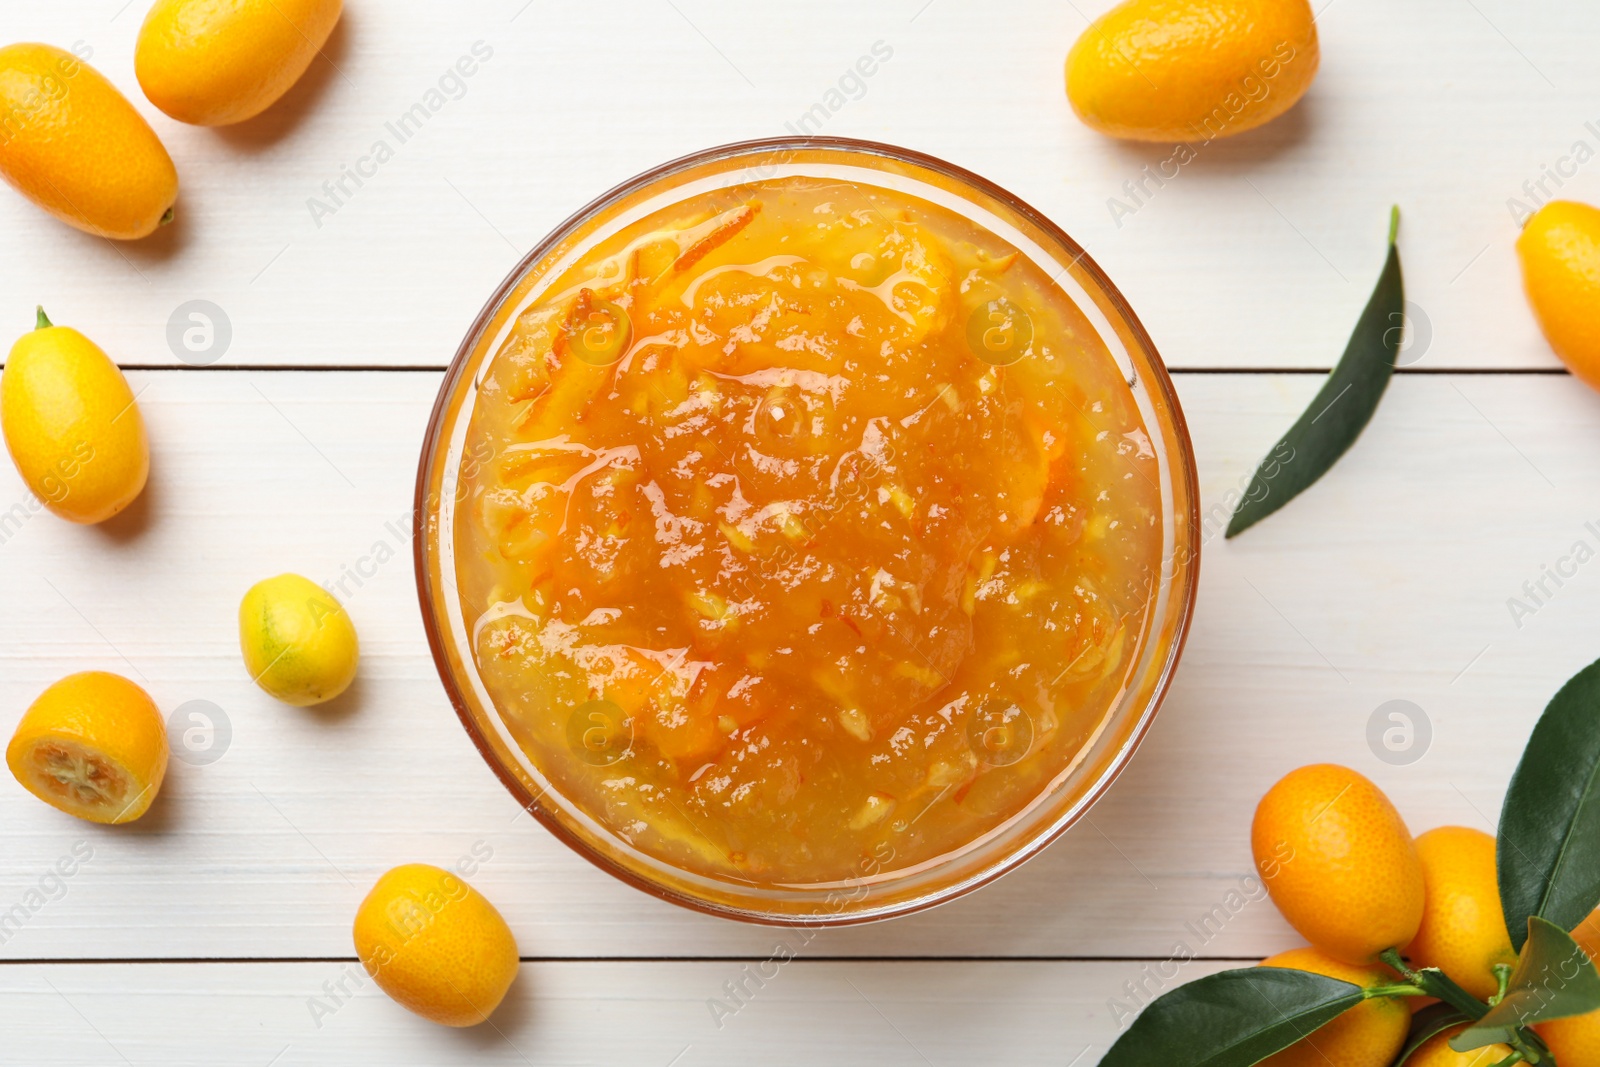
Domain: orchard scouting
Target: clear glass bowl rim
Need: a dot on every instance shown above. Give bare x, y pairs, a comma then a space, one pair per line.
1161, 388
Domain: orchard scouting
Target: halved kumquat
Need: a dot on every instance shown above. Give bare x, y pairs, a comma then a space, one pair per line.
92, 745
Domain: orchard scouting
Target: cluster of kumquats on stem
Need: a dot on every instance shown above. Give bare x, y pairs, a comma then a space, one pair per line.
1451, 949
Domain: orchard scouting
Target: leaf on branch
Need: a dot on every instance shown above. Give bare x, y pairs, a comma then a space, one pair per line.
1549, 843
1554, 979
1427, 1024
1233, 1019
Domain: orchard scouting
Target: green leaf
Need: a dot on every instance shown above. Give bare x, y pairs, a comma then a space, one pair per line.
1232, 1019
1343, 407
1553, 980
1429, 1023
1549, 845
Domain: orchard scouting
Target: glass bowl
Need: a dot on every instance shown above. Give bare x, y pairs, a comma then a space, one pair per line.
881, 893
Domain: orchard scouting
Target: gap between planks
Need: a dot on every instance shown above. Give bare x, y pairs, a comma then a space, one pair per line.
379, 368
146, 961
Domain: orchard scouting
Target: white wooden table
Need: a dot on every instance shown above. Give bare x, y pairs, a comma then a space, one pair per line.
216, 930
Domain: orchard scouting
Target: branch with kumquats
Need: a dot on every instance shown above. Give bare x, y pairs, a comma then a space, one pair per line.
1479, 924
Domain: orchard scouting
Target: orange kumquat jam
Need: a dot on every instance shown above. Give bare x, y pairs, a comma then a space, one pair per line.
805, 522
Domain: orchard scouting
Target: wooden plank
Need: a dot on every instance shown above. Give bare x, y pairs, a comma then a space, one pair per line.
598, 1013
1258, 253
1388, 580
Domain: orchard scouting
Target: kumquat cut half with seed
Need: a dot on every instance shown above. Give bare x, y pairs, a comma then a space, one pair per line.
92, 745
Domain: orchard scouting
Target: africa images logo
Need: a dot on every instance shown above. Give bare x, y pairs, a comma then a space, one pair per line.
451, 85
1552, 177
1250, 90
